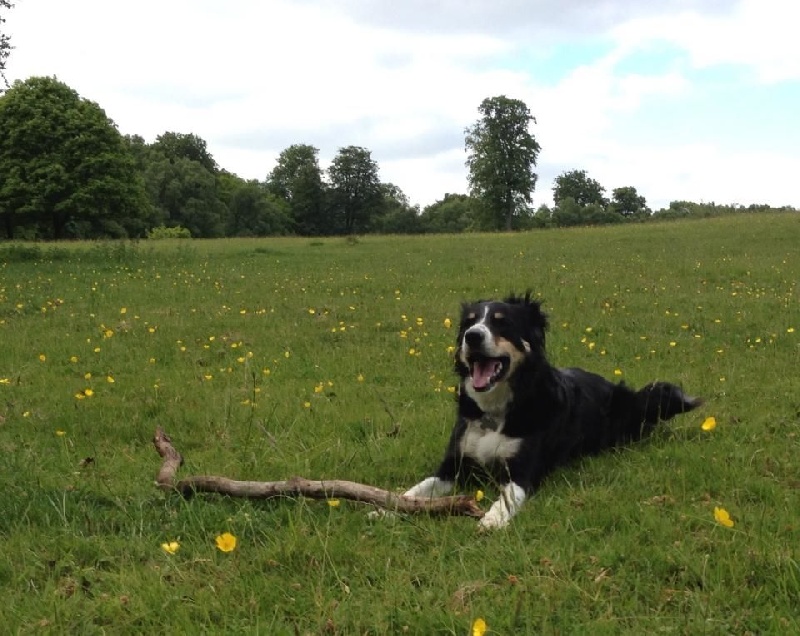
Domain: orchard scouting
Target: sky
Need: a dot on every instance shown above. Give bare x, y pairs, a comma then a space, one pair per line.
683, 99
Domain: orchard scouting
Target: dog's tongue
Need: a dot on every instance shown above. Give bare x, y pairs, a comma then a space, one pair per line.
482, 373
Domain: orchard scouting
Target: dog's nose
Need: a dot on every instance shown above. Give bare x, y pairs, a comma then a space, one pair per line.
473, 337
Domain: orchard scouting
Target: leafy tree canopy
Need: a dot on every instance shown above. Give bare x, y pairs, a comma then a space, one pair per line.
297, 179
502, 155
65, 168
355, 188
395, 214
185, 194
252, 209
629, 203
578, 186
5, 42
454, 213
176, 146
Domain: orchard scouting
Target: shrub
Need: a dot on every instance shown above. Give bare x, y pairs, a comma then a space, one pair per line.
163, 232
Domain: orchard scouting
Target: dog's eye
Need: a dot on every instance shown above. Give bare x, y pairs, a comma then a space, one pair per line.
499, 317
468, 320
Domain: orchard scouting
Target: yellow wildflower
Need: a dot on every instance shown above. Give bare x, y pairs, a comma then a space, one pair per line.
226, 542
709, 424
722, 517
170, 547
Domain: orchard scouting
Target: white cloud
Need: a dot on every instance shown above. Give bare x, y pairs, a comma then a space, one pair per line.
404, 80
759, 35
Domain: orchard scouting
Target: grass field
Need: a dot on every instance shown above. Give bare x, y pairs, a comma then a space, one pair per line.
330, 358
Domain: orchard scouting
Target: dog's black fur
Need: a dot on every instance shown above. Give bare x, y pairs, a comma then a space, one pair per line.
519, 418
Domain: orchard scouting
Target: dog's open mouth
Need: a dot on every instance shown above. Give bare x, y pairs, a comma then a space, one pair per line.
486, 372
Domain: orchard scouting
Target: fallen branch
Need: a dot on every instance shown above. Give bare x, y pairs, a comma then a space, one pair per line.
299, 487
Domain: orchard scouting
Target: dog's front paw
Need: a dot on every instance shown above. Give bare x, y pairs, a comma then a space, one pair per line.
493, 520
381, 513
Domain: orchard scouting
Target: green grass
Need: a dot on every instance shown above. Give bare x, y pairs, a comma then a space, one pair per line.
269, 358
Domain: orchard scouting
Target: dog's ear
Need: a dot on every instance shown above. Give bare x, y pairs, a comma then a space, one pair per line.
535, 318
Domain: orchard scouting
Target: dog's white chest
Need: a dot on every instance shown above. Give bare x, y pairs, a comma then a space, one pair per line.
487, 445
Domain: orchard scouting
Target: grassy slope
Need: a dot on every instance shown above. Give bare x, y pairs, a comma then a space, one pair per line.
270, 358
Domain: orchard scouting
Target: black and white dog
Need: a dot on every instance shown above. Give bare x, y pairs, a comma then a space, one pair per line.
519, 418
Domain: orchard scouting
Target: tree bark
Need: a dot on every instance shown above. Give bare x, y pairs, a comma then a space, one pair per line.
300, 487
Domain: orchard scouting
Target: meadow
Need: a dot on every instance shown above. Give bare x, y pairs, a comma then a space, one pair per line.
332, 359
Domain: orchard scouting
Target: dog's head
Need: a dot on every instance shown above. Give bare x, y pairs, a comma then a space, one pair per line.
495, 340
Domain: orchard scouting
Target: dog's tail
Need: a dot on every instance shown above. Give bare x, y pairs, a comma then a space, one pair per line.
660, 401
663, 401
638, 412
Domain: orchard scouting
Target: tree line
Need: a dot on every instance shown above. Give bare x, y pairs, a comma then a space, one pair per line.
67, 172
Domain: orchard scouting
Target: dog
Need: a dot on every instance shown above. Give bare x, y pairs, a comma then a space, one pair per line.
519, 418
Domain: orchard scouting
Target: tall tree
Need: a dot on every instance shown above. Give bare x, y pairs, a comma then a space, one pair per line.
578, 186
185, 146
502, 155
185, 194
628, 203
355, 188
252, 210
65, 166
297, 179
5, 42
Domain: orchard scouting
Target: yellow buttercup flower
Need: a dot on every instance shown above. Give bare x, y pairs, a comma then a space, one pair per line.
479, 627
722, 517
170, 547
709, 424
333, 503
479, 495
226, 542
447, 323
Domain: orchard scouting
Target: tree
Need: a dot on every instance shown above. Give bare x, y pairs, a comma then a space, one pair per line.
454, 213
252, 210
628, 203
184, 194
176, 146
355, 188
5, 43
502, 156
66, 169
395, 214
582, 189
297, 179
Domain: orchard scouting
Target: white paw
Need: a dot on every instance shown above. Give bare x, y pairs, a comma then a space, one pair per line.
380, 513
502, 510
493, 520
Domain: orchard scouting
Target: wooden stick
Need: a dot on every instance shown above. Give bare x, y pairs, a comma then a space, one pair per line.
300, 487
